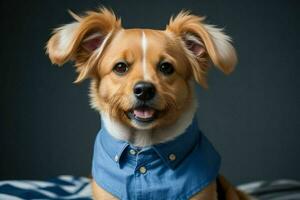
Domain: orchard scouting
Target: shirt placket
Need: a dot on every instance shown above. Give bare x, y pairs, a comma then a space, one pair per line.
141, 169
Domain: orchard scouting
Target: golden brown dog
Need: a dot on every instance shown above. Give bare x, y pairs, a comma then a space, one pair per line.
159, 67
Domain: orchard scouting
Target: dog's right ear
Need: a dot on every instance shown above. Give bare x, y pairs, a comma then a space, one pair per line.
83, 41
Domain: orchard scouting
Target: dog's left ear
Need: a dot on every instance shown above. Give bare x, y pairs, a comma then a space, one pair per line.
202, 43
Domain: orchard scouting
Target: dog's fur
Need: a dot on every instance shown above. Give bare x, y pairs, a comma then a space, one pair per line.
97, 41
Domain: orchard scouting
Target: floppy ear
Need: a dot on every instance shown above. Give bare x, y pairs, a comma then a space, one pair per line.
203, 43
83, 41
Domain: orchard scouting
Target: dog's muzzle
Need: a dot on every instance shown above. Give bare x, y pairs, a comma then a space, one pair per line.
143, 111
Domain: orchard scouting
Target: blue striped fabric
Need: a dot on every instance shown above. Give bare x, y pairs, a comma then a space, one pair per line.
79, 188
62, 187
273, 190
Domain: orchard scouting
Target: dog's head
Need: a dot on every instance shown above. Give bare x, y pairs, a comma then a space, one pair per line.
141, 77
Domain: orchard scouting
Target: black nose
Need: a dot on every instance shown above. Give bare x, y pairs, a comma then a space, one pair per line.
144, 91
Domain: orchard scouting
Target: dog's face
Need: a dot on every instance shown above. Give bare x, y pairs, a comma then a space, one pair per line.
141, 77
144, 81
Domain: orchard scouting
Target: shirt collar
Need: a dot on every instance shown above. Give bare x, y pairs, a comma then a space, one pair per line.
171, 152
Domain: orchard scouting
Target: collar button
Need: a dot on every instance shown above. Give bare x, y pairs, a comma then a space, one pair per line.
172, 157
132, 152
116, 158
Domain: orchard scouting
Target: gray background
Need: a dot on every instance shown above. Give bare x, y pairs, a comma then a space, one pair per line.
47, 127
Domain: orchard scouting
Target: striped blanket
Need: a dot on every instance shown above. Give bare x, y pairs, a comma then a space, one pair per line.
78, 188
62, 187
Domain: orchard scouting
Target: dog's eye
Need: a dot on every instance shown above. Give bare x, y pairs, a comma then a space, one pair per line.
120, 68
166, 68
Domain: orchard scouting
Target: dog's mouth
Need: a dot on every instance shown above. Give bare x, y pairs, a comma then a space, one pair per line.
144, 114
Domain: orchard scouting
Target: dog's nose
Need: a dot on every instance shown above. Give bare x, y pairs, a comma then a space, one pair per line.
144, 91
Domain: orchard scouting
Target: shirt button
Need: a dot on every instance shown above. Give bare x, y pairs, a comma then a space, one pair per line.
132, 152
172, 157
116, 158
143, 170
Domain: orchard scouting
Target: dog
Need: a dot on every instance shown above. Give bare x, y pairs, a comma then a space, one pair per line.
143, 85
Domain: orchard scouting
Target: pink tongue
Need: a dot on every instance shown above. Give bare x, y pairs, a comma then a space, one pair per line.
143, 113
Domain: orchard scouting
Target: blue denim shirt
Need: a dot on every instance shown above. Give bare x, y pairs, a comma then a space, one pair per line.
175, 170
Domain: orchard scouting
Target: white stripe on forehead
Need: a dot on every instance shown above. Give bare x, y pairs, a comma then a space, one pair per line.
144, 60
